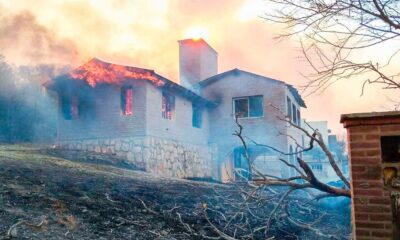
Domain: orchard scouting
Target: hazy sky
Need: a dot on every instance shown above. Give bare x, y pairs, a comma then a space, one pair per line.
144, 33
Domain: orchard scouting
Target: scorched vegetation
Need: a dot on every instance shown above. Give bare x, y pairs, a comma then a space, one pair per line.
46, 196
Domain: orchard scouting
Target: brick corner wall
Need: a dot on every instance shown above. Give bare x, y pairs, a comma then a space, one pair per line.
372, 215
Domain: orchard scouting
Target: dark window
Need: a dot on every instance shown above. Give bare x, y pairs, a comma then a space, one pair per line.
168, 106
241, 107
298, 117
256, 106
127, 101
69, 107
289, 108
390, 146
294, 114
246, 107
196, 116
316, 166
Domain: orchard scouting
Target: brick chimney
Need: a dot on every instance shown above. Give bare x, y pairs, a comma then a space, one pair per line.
374, 146
197, 61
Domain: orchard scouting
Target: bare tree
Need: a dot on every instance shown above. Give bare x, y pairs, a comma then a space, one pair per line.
267, 205
305, 177
333, 33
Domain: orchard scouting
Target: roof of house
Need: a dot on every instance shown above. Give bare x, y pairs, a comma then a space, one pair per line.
97, 72
237, 71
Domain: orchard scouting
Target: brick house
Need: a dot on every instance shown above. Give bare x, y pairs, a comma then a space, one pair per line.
180, 130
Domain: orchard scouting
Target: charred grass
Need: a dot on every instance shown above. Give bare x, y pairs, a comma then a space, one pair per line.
43, 196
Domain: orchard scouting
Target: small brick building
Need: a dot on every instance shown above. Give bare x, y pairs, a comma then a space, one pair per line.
374, 146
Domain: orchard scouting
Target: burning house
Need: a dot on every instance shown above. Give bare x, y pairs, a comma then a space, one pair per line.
170, 129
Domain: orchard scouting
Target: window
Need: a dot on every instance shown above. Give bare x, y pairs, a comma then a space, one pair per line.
390, 148
292, 112
69, 107
168, 106
316, 166
298, 117
247, 107
294, 115
289, 108
126, 100
196, 116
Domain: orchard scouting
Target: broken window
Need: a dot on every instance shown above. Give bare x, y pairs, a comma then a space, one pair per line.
168, 106
196, 116
246, 107
289, 108
127, 100
69, 107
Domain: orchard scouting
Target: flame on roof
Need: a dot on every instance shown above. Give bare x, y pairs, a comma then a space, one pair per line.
97, 72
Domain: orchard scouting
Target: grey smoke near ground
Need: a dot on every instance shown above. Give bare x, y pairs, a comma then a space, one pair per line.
28, 113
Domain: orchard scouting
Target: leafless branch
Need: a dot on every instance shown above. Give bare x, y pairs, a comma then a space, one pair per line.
332, 35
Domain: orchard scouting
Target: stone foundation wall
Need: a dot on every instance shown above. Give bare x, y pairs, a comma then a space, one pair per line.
162, 157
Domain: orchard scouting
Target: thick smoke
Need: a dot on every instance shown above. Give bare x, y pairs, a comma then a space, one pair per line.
27, 111
24, 42
33, 56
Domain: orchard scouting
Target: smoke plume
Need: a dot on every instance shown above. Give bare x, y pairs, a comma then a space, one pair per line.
25, 42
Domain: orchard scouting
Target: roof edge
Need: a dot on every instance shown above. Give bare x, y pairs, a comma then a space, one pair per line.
215, 78
368, 115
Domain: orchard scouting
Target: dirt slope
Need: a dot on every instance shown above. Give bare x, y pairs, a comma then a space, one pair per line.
47, 197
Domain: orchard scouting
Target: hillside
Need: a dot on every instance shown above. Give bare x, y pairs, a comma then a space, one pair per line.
46, 196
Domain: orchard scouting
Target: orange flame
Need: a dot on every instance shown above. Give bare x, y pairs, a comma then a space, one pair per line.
97, 72
128, 104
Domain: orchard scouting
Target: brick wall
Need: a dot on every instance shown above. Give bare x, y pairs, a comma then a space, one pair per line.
372, 215
180, 126
106, 120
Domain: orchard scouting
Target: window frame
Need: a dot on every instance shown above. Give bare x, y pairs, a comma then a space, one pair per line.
70, 108
294, 113
199, 111
166, 95
123, 102
248, 106
289, 108
298, 117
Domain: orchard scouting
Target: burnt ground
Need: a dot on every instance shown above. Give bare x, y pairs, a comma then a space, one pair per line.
45, 194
